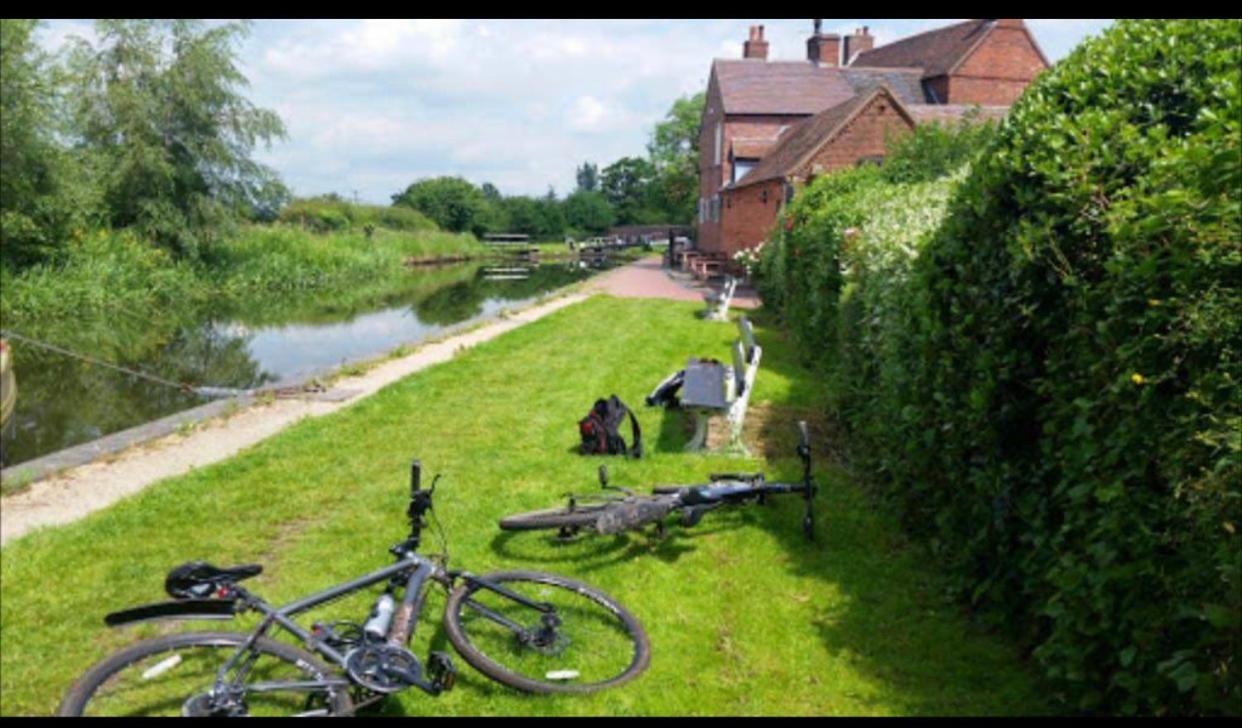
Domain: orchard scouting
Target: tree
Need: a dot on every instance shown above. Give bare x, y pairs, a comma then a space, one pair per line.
551, 216
674, 151
490, 192
522, 215
42, 195
627, 185
452, 202
589, 212
588, 177
157, 104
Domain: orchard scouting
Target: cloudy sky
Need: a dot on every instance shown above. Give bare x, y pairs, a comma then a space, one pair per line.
372, 105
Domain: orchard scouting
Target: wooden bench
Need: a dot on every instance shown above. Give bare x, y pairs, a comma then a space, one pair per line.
717, 302
686, 258
711, 388
707, 265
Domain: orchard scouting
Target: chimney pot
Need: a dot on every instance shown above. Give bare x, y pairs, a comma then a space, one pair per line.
856, 43
755, 46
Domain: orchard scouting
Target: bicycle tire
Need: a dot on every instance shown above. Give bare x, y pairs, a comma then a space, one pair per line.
85, 691
634, 634
556, 518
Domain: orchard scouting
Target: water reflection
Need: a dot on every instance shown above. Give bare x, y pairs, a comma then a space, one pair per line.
64, 402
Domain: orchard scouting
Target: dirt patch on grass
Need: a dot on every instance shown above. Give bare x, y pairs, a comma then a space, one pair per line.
771, 431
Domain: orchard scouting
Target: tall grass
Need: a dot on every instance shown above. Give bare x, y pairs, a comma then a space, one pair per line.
102, 275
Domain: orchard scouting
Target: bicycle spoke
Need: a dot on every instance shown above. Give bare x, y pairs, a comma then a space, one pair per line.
581, 642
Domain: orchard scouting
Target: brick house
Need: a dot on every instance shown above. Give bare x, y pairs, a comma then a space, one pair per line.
769, 127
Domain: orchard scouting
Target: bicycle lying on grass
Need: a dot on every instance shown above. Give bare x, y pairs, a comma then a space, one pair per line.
604, 514
536, 632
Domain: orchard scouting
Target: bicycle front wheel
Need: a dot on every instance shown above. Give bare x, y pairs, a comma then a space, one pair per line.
171, 676
580, 642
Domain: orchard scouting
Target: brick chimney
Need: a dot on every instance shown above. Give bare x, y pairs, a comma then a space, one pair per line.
755, 46
823, 48
857, 42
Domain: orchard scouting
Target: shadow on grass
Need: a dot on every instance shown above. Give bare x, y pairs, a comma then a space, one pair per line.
591, 552
895, 620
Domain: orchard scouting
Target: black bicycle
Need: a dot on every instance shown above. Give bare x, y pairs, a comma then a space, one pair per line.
606, 514
536, 632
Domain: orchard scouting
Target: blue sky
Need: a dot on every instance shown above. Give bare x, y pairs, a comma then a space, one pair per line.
372, 105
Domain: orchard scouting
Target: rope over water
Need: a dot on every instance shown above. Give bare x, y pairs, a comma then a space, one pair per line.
204, 391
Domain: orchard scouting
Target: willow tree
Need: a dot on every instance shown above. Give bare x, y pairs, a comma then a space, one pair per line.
157, 106
41, 195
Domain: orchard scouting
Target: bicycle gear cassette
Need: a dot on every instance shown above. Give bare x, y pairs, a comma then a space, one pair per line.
383, 668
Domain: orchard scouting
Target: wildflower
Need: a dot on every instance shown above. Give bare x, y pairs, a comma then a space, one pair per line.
1137, 378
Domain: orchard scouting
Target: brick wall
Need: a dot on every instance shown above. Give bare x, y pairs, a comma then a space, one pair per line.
712, 176
997, 72
748, 214
862, 137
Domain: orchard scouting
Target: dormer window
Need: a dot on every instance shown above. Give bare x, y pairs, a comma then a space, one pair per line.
742, 165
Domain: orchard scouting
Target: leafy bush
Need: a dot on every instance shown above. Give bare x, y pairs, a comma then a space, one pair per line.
934, 150
1049, 388
330, 213
1084, 296
452, 202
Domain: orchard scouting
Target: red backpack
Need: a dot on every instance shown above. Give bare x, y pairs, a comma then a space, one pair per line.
599, 430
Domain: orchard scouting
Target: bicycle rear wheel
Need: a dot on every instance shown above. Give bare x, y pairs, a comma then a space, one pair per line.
593, 643
582, 516
171, 675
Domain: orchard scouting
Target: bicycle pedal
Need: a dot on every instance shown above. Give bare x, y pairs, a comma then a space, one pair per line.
441, 671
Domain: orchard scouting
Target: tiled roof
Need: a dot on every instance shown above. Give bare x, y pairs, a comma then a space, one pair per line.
924, 113
804, 139
751, 86
935, 51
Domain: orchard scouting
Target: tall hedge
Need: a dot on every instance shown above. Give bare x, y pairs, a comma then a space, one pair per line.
1057, 408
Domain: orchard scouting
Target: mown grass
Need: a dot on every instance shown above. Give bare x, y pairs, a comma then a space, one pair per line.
745, 617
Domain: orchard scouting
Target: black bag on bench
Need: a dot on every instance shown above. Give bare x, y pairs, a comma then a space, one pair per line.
600, 430
665, 393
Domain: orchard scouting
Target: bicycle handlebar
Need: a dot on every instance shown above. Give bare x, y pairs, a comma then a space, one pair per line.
420, 501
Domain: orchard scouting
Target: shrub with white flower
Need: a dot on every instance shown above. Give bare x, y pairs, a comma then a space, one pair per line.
748, 258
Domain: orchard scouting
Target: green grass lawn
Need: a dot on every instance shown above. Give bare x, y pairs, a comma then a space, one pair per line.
745, 617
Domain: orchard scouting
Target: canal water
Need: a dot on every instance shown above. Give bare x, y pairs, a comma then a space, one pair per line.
64, 401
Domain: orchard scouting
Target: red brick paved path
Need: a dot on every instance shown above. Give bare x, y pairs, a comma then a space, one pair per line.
647, 278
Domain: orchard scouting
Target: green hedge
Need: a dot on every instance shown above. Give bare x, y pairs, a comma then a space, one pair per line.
1049, 384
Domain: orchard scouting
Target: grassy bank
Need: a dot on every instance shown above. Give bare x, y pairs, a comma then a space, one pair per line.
100, 272
745, 617
117, 296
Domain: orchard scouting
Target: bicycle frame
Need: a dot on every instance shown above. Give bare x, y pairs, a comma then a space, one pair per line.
420, 572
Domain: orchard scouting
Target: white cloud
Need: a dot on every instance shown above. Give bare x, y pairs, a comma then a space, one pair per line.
372, 105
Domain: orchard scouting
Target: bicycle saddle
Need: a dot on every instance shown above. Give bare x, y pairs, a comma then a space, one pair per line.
198, 579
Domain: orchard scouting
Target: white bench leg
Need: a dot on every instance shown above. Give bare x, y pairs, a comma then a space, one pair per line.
737, 417
699, 441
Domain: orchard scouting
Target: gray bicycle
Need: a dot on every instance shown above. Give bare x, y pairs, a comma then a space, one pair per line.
536, 632
604, 514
